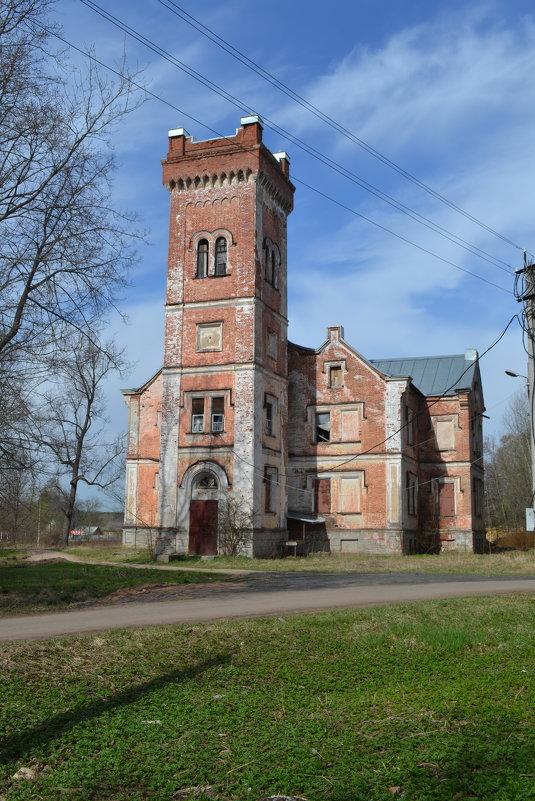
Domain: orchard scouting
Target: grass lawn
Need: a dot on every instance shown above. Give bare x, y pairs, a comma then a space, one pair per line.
435, 699
31, 586
507, 563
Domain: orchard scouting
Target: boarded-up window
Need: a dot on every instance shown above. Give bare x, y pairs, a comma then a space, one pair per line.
322, 495
336, 378
446, 499
209, 336
272, 344
445, 435
350, 426
349, 495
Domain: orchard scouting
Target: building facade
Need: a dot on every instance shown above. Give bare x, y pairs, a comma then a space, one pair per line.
328, 450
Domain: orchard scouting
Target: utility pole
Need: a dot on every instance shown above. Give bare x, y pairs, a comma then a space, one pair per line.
529, 314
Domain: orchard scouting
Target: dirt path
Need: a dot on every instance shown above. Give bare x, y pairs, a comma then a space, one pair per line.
257, 602
46, 556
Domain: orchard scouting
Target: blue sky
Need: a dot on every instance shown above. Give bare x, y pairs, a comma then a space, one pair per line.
445, 90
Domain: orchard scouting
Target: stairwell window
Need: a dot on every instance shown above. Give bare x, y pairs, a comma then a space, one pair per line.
202, 259
218, 415
269, 416
271, 263
221, 256
270, 488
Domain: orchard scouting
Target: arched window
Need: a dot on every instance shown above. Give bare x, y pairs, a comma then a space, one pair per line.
202, 259
221, 256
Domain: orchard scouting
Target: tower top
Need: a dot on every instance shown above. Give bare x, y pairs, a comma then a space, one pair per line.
196, 163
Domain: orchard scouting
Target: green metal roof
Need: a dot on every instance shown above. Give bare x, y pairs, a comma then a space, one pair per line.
433, 375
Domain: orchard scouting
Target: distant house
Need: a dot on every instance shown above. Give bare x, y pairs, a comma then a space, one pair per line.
86, 533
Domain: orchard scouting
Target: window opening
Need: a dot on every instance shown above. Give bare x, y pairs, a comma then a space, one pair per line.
269, 412
409, 425
335, 377
202, 259
197, 415
218, 415
206, 481
221, 256
411, 494
323, 426
270, 484
273, 269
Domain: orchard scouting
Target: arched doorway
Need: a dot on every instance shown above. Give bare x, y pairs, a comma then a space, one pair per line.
203, 514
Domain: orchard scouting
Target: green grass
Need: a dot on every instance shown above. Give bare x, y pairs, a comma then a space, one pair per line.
32, 586
509, 563
434, 698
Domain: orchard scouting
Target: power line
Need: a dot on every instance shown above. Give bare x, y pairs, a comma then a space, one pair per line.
274, 81
309, 149
221, 136
400, 236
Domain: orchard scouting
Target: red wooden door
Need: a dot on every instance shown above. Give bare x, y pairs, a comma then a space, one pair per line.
203, 528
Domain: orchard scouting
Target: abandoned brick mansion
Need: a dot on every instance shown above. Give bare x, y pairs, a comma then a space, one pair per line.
330, 450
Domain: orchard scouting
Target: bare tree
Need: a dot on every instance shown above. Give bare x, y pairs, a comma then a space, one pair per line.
71, 422
508, 469
235, 525
64, 250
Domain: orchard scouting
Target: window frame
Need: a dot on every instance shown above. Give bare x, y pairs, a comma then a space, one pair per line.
196, 416
317, 437
271, 480
202, 258
217, 252
219, 427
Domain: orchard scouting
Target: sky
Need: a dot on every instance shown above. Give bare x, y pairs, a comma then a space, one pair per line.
444, 91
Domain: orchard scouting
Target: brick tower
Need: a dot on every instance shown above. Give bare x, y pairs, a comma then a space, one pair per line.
223, 409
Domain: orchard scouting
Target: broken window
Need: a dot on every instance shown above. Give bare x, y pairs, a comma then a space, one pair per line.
202, 259
221, 256
218, 415
335, 376
323, 426
197, 415
270, 486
